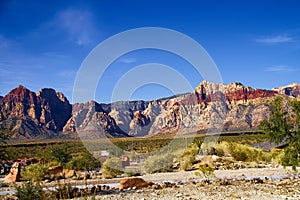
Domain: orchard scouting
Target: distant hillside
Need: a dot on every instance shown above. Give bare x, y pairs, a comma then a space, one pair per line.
48, 114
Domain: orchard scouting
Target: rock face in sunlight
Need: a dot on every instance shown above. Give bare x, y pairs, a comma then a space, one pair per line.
48, 114
211, 106
14, 173
27, 114
91, 120
290, 90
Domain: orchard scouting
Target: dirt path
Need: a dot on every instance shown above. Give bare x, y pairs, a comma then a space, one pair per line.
221, 174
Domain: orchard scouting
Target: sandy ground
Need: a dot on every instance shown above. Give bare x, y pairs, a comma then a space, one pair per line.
236, 186
221, 174
269, 189
230, 184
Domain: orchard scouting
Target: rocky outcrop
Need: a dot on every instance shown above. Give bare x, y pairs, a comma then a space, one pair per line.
233, 93
290, 90
92, 120
55, 109
14, 174
210, 106
27, 114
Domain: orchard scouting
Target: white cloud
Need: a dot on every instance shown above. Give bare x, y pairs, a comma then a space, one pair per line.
77, 24
275, 39
281, 68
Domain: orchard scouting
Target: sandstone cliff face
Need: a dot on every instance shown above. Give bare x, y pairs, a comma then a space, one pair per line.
28, 114
216, 107
290, 90
91, 120
210, 106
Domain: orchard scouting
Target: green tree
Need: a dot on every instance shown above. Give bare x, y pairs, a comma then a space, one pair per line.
83, 162
60, 153
35, 172
283, 126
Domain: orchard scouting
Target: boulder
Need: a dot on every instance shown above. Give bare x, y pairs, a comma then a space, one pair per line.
14, 174
67, 173
137, 183
56, 169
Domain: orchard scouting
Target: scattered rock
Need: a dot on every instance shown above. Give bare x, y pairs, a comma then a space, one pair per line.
138, 183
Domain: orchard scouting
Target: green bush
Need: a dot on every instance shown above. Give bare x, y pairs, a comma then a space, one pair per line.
60, 153
83, 162
241, 152
111, 168
35, 172
158, 163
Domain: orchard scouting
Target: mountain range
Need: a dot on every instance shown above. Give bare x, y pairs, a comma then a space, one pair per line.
48, 114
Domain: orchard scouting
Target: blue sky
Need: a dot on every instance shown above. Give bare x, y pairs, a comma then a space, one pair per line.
43, 44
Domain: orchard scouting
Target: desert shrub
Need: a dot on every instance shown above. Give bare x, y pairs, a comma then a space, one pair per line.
53, 163
187, 159
242, 152
158, 163
277, 155
220, 152
187, 162
35, 172
111, 168
209, 148
30, 190
205, 171
239, 154
221, 148
192, 150
66, 191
